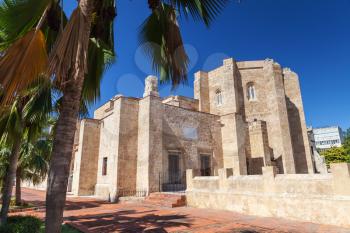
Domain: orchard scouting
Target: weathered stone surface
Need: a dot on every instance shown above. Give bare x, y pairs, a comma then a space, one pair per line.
315, 198
244, 116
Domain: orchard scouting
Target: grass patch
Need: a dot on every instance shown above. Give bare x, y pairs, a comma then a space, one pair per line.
21, 224
68, 229
24, 205
65, 229
29, 224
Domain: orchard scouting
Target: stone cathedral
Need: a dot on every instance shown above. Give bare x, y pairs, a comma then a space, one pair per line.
244, 115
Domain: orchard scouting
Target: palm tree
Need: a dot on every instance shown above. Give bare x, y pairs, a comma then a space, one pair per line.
33, 163
22, 122
101, 53
68, 65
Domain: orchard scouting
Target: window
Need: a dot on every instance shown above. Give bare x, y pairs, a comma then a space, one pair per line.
218, 95
251, 94
174, 169
205, 165
104, 166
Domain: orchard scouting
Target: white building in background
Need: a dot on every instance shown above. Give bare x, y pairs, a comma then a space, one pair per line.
328, 137
318, 160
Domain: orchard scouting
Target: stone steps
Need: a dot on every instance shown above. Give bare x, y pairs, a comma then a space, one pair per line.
166, 200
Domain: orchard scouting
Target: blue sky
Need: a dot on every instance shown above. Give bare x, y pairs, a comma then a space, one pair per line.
312, 37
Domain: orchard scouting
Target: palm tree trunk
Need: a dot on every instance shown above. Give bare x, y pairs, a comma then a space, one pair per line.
8, 183
18, 187
64, 136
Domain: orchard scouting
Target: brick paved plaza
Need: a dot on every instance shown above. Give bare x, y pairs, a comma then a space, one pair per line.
91, 215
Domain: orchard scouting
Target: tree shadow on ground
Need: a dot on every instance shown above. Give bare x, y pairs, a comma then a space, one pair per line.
243, 231
131, 221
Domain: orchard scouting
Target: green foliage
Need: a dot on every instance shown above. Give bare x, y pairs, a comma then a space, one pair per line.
28, 114
21, 224
29, 224
68, 229
336, 155
18, 17
346, 143
205, 10
161, 40
33, 164
100, 57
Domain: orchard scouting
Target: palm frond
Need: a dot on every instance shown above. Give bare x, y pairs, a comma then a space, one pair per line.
101, 54
53, 23
161, 39
71, 46
22, 63
104, 12
205, 10
100, 57
17, 17
39, 105
11, 123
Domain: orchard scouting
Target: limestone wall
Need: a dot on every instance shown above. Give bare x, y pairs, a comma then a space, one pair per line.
86, 157
317, 198
258, 150
106, 186
270, 106
227, 80
296, 117
191, 134
201, 91
128, 138
182, 102
149, 149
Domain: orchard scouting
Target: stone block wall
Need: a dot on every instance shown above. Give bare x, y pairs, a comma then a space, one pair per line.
128, 140
150, 145
106, 186
182, 102
258, 150
234, 134
191, 134
86, 157
296, 117
318, 198
201, 91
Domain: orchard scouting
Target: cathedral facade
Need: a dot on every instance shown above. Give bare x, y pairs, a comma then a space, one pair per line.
244, 115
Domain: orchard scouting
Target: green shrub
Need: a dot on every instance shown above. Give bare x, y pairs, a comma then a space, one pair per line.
69, 229
21, 224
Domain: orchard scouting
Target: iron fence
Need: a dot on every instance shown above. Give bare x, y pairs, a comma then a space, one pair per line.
172, 182
132, 193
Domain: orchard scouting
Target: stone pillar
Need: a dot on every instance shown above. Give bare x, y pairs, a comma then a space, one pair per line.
86, 158
269, 174
149, 151
233, 133
341, 178
201, 90
279, 124
259, 155
296, 116
224, 173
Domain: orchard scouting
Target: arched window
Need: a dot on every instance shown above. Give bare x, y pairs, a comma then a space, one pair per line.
251, 94
218, 95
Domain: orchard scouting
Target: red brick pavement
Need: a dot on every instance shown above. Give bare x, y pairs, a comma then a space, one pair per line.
91, 215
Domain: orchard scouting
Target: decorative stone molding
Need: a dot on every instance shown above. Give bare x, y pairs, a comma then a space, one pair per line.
151, 86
